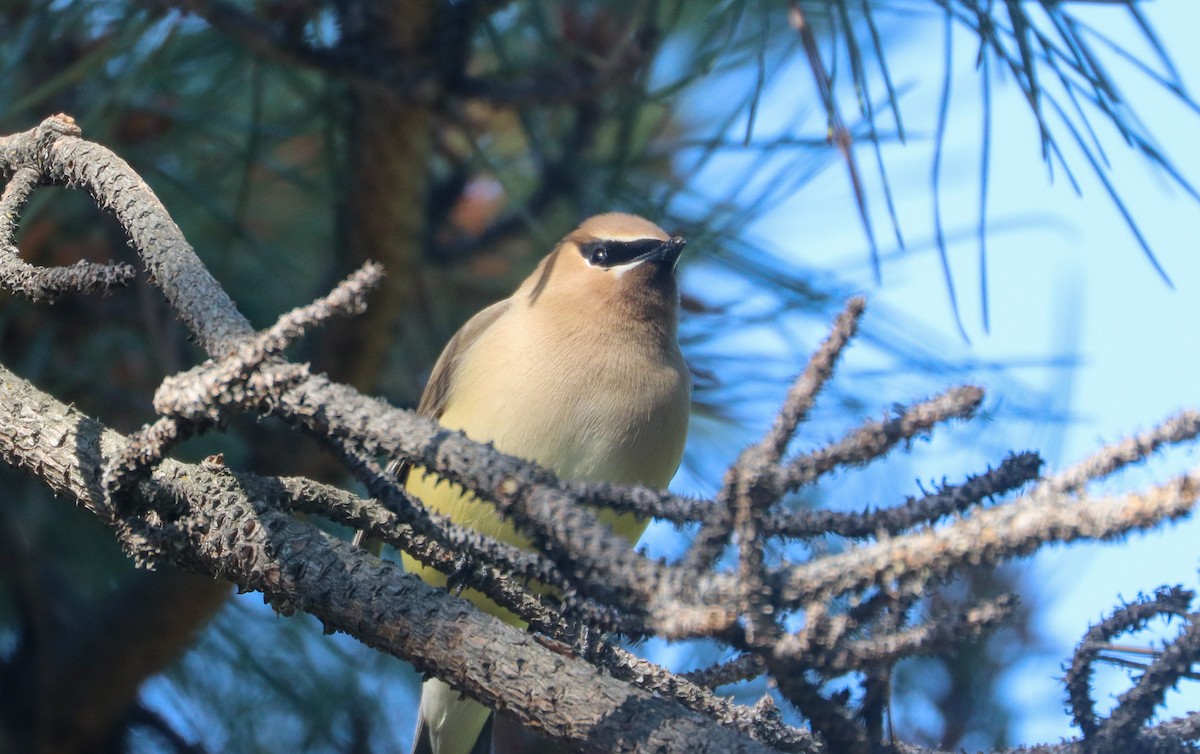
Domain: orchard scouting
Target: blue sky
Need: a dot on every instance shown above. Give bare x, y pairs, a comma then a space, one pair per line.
1066, 279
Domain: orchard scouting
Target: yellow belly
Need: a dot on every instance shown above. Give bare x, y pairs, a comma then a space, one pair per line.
469, 511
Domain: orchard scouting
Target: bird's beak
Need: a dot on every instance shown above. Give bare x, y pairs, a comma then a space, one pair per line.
668, 252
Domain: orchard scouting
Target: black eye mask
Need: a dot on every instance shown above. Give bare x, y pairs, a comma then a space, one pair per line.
610, 253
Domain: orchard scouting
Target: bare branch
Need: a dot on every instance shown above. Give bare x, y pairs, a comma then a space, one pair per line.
875, 439
1181, 428
884, 650
46, 283
56, 151
1044, 515
201, 397
741, 668
1136, 706
827, 717
748, 476
39, 283
1130, 617
803, 395
1012, 472
763, 725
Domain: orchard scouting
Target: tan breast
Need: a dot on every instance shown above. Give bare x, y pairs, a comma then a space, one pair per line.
589, 401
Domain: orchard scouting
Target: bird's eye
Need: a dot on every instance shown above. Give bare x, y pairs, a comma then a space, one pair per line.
596, 253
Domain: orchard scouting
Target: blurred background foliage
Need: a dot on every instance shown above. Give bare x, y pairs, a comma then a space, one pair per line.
455, 141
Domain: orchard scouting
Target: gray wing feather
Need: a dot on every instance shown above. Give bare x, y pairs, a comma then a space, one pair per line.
441, 379
437, 391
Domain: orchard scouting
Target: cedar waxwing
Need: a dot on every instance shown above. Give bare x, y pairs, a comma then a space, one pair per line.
580, 370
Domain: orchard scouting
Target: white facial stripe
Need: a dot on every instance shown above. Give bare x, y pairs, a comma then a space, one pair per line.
621, 269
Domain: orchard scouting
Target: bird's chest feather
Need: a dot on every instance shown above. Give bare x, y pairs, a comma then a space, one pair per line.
588, 403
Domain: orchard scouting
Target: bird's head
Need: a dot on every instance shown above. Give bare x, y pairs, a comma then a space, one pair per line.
617, 243
615, 259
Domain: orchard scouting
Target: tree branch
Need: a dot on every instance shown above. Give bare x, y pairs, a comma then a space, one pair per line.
211, 521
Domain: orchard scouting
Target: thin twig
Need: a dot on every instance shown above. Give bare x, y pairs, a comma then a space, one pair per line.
1180, 428
873, 440
1042, 516
46, 283
1012, 472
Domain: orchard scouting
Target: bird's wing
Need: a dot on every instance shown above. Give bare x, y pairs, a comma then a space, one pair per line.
433, 405
437, 390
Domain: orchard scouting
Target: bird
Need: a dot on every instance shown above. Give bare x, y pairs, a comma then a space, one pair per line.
580, 370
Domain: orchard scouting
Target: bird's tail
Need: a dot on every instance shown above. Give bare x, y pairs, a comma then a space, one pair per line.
448, 723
